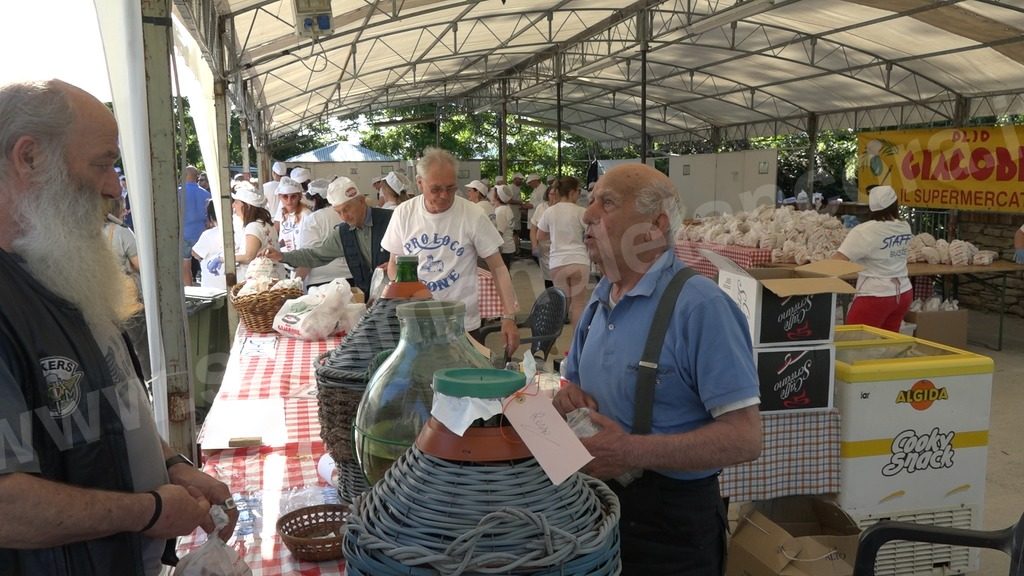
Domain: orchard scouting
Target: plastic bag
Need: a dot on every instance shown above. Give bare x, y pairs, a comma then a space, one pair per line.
378, 282
314, 316
213, 558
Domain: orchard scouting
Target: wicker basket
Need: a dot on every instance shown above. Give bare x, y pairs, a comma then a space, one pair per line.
304, 531
257, 311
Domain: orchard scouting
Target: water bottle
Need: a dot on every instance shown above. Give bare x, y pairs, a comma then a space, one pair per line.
562, 371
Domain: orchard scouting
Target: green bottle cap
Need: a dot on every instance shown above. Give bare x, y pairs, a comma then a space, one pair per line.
478, 382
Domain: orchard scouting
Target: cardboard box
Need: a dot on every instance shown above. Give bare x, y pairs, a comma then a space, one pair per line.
796, 378
947, 327
793, 536
786, 306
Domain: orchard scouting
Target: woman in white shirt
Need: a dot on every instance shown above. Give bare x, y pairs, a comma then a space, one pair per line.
880, 245
503, 222
562, 225
259, 234
541, 247
291, 213
209, 250
392, 191
476, 192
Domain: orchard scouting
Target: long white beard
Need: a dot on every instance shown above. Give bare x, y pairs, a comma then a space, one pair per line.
64, 247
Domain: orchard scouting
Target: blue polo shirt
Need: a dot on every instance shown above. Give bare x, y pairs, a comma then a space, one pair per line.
193, 200
706, 361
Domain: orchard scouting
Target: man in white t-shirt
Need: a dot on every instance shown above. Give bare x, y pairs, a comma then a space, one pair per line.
447, 233
280, 170
880, 245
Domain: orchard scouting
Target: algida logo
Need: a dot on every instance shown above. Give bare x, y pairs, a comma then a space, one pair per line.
922, 395
62, 376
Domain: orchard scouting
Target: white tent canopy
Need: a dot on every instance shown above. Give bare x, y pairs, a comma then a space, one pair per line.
720, 69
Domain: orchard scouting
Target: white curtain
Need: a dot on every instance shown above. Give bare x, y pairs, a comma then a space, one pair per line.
121, 29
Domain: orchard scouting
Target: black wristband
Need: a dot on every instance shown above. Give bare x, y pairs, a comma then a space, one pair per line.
158, 507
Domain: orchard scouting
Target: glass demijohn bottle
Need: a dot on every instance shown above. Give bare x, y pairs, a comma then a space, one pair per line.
398, 398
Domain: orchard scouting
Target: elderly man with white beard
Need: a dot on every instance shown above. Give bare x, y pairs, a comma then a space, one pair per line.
87, 486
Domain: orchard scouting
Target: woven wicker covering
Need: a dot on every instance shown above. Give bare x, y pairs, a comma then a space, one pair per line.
432, 516
257, 311
314, 533
351, 481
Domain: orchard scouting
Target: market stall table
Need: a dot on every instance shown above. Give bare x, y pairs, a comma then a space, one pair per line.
262, 369
267, 397
984, 276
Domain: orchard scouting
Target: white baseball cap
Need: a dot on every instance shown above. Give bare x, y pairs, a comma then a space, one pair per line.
244, 192
504, 193
319, 187
288, 186
301, 175
478, 186
517, 175
532, 177
280, 168
881, 197
394, 182
341, 191
376, 179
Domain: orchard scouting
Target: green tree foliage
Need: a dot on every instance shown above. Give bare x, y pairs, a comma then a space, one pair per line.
309, 137
835, 162
531, 148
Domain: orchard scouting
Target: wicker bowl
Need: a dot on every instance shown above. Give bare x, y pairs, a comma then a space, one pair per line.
305, 531
257, 311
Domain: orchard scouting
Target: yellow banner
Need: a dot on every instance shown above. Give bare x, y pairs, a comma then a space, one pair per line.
979, 169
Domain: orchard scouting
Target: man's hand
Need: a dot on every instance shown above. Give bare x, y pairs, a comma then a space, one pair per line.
213, 490
510, 332
1019, 256
609, 447
181, 511
571, 397
272, 253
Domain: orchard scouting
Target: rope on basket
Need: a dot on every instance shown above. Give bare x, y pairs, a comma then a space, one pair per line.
430, 516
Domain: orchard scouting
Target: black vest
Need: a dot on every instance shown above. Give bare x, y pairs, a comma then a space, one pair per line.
51, 361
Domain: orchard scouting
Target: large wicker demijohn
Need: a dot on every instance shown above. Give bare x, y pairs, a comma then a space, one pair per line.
478, 503
397, 400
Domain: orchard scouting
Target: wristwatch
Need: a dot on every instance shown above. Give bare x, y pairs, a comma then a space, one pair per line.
178, 459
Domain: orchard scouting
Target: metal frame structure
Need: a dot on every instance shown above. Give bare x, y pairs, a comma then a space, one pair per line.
652, 70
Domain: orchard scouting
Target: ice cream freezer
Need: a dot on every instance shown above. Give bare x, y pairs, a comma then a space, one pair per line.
914, 440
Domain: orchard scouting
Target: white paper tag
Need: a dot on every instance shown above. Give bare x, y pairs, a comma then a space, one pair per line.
556, 448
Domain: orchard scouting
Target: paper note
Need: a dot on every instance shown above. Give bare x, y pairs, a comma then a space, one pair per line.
260, 347
308, 391
244, 419
556, 448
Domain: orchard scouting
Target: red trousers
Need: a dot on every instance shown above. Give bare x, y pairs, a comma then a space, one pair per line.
885, 312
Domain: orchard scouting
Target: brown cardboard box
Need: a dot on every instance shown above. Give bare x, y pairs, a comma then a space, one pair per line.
947, 327
793, 536
786, 306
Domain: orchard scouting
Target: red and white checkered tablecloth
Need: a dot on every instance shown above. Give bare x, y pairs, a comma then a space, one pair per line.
265, 480
800, 455
490, 302
266, 483
688, 252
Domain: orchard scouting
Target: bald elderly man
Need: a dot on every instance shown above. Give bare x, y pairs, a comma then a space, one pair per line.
87, 486
704, 412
